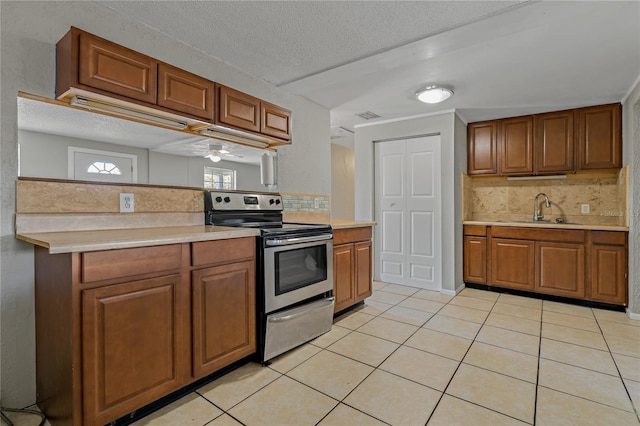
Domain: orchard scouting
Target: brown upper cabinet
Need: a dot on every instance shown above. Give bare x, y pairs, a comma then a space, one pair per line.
516, 144
113, 68
237, 109
550, 143
182, 91
243, 111
599, 137
482, 147
88, 62
275, 121
554, 143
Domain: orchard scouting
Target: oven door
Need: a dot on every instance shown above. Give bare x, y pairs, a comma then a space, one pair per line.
296, 269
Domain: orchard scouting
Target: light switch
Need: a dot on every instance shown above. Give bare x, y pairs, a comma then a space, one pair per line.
126, 203
585, 208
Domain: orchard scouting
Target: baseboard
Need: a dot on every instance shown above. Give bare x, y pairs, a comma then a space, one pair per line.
632, 315
453, 292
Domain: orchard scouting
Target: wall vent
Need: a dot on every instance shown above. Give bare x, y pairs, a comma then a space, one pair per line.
368, 115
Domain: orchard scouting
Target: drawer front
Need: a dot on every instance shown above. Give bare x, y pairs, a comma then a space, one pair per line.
111, 264
349, 235
223, 251
540, 234
477, 230
609, 237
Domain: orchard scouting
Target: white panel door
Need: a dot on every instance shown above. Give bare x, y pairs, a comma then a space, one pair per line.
408, 212
390, 187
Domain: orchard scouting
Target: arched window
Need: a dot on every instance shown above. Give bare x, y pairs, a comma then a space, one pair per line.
104, 167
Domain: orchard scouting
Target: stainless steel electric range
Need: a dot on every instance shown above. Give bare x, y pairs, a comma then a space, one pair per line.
294, 269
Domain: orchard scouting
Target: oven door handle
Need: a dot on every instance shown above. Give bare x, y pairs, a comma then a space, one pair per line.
297, 240
317, 305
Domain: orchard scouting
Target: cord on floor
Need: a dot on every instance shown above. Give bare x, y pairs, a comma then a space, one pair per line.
22, 410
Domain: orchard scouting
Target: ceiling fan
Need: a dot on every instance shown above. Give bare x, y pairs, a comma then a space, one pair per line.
217, 151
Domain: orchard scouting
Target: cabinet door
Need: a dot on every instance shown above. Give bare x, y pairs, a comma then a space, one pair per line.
608, 274
482, 148
185, 92
132, 345
238, 109
363, 276
475, 260
554, 142
512, 263
275, 121
224, 316
560, 269
599, 137
343, 276
116, 69
516, 143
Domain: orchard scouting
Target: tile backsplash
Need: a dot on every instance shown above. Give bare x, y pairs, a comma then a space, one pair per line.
494, 199
306, 208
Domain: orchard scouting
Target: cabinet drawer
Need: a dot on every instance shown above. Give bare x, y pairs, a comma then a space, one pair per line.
349, 235
477, 230
540, 234
110, 264
223, 251
609, 237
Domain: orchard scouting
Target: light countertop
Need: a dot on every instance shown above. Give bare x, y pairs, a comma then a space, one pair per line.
548, 225
81, 241
344, 224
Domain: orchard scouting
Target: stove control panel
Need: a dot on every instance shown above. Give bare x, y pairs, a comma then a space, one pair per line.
214, 200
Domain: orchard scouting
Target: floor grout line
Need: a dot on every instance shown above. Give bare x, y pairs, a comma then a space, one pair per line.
460, 362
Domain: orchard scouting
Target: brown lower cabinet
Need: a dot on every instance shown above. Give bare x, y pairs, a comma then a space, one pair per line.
580, 264
119, 329
352, 276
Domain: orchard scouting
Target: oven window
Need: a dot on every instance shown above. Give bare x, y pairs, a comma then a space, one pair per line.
298, 268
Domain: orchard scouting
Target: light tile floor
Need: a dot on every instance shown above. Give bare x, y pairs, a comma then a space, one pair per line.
415, 357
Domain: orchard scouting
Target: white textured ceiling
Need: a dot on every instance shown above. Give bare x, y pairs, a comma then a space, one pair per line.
501, 58
283, 41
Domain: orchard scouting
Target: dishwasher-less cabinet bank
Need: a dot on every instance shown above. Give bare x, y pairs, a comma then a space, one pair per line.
574, 263
119, 329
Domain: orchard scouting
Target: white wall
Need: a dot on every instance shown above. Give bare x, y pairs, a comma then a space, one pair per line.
631, 157
167, 169
46, 155
342, 182
453, 151
29, 31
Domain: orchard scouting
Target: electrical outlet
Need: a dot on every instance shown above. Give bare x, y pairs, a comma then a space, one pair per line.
126, 203
585, 208
316, 203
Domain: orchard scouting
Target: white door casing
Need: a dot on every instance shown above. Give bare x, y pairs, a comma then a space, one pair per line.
408, 212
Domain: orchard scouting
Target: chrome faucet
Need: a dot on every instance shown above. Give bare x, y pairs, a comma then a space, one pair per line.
536, 207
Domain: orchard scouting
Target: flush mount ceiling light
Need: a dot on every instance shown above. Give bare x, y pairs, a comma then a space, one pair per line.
433, 94
215, 152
